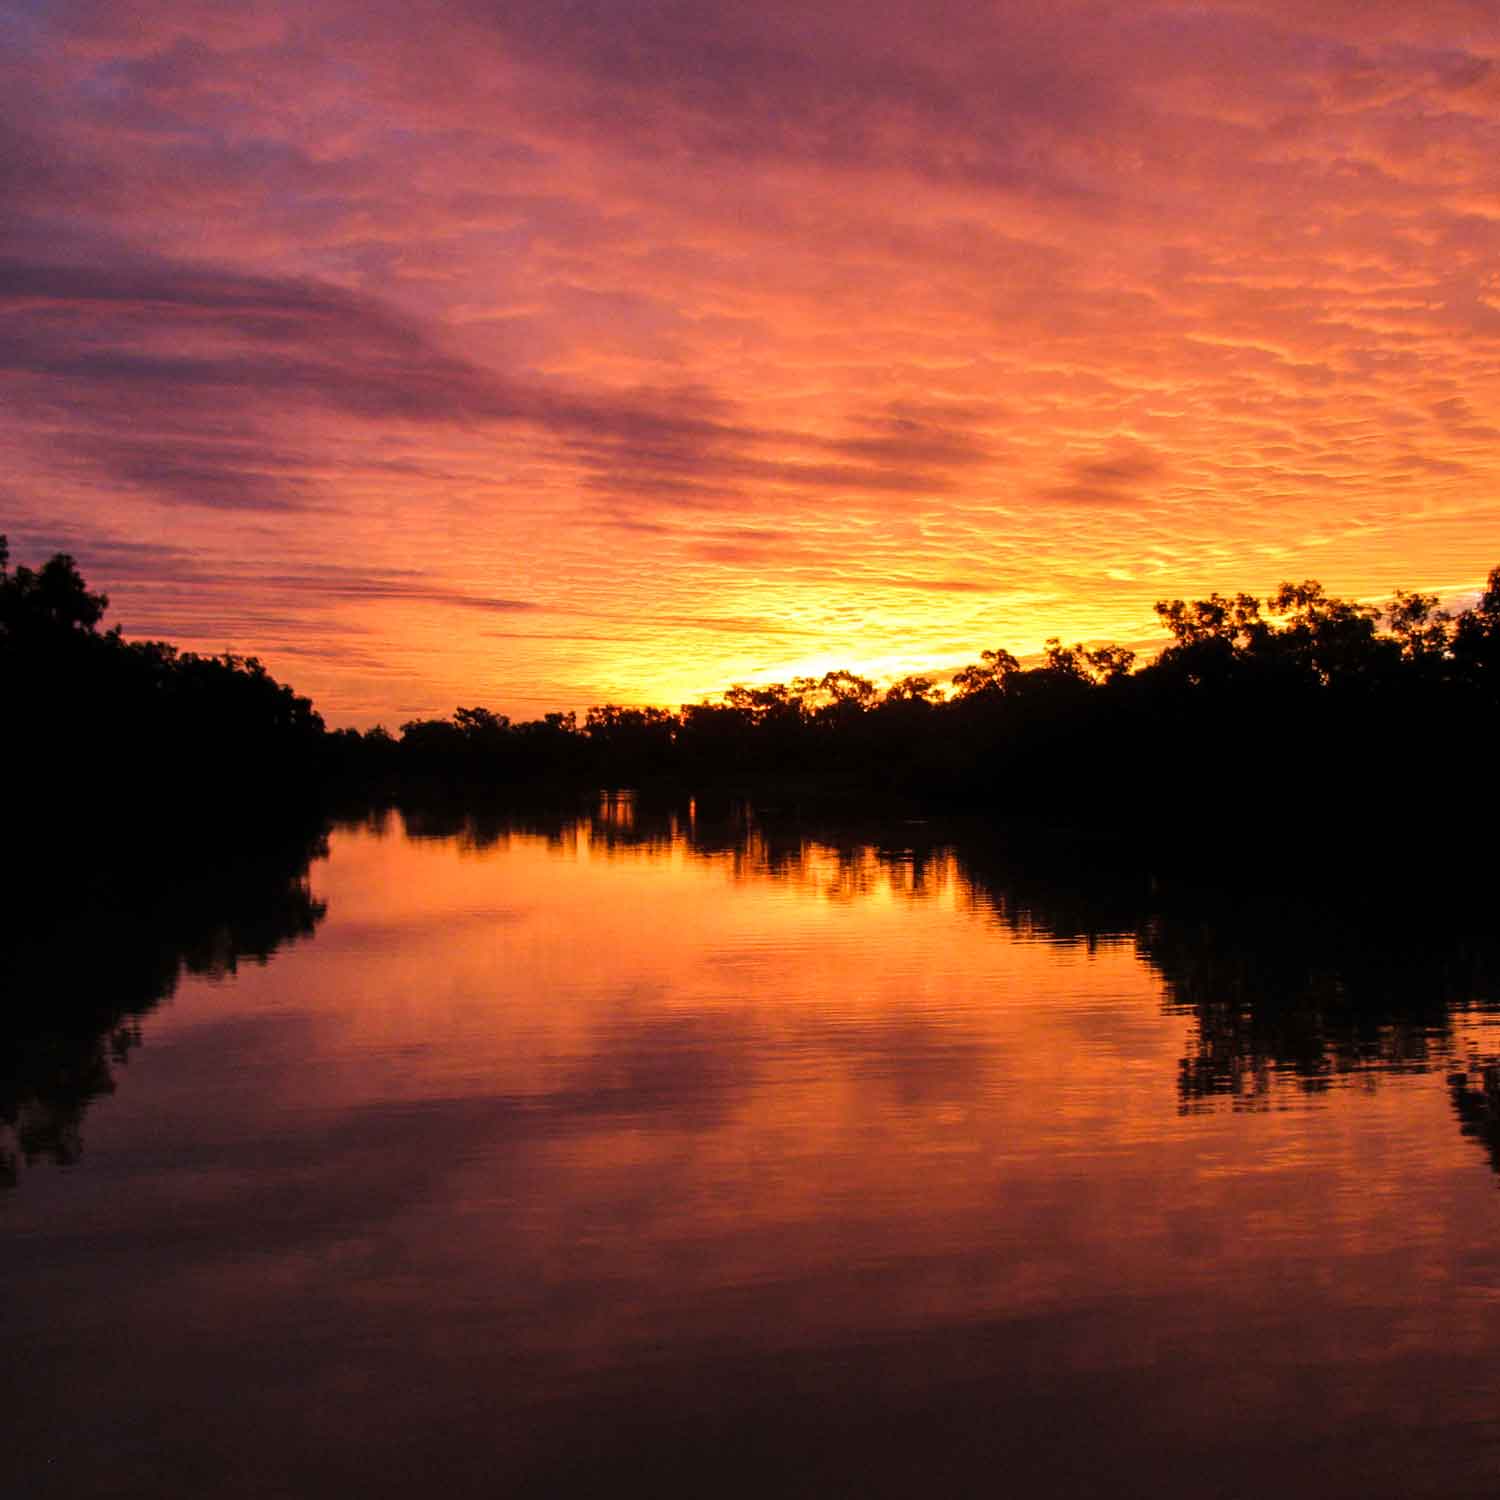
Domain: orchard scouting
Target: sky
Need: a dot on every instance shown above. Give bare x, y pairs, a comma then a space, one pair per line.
540, 353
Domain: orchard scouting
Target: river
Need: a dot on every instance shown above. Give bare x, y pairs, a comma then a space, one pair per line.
697, 1154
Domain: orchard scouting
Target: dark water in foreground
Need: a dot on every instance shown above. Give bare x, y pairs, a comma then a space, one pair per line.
637, 1155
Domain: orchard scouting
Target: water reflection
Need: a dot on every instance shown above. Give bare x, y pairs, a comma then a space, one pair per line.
1280, 996
741, 1156
75, 995
1285, 993
1475, 1089
1309, 1006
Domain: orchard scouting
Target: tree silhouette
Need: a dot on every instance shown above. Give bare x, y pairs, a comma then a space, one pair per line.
1260, 715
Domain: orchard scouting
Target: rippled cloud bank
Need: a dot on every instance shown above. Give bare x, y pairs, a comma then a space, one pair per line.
549, 354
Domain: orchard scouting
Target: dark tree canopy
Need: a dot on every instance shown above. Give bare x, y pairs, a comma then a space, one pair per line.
1284, 712
102, 732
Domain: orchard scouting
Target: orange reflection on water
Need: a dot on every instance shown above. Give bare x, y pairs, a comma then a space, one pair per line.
606, 1121
836, 1060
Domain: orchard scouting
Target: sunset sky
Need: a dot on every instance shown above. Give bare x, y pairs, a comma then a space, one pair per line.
538, 353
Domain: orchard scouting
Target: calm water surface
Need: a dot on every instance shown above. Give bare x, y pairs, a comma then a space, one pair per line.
605, 1155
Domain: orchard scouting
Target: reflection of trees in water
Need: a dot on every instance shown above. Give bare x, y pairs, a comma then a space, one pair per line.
1283, 990
75, 995
1278, 995
1474, 1087
836, 861
1287, 991
1308, 1001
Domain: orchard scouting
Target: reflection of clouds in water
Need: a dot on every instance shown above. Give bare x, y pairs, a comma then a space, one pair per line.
515, 1201
673, 1071
1276, 993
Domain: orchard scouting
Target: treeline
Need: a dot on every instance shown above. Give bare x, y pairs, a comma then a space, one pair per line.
113, 748
1302, 709
1293, 714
